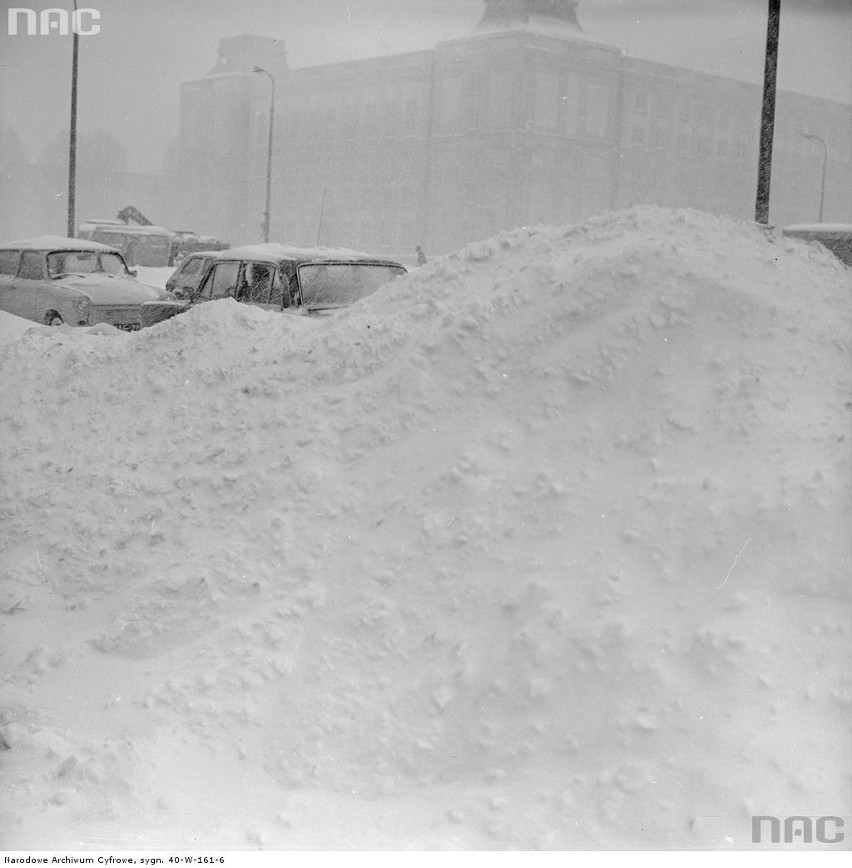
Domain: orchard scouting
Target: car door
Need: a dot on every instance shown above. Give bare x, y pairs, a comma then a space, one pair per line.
31, 295
221, 280
8, 269
260, 284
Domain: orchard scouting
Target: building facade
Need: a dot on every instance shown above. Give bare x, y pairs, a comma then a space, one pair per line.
527, 120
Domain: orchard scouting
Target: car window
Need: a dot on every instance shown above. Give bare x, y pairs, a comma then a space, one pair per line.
32, 265
112, 263
334, 284
72, 262
222, 280
191, 267
9, 261
256, 283
112, 239
276, 296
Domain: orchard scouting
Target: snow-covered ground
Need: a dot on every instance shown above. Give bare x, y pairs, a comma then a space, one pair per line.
545, 546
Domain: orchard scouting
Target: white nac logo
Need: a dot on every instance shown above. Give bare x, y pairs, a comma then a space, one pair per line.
54, 21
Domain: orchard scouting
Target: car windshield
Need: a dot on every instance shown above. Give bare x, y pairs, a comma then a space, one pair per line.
334, 284
84, 262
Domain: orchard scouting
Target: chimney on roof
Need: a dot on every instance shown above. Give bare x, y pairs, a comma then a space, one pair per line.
514, 13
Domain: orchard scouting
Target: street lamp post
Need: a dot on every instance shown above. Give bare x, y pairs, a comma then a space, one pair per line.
824, 162
268, 151
72, 139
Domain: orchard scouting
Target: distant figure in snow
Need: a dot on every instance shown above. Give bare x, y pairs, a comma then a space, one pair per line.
175, 256
421, 256
128, 251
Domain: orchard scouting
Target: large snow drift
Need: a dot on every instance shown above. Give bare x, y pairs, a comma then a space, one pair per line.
544, 546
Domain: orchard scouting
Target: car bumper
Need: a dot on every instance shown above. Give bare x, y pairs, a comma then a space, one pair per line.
124, 317
153, 312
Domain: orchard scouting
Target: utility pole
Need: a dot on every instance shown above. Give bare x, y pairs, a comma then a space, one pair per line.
72, 139
767, 117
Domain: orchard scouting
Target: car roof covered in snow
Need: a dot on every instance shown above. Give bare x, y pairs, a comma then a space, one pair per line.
56, 242
817, 228
278, 253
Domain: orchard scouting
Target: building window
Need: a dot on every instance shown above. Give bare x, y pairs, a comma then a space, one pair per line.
571, 105
451, 93
474, 85
500, 85
370, 120
390, 118
640, 102
296, 126
411, 116
597, 109
350, 122
546, 101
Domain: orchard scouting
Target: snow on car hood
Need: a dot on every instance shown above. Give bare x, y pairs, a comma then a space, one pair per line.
110, 289
545, 547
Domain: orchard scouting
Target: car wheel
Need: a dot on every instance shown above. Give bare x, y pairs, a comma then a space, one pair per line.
52, 318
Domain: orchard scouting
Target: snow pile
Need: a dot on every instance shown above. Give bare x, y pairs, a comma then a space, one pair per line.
543, 546
12, 327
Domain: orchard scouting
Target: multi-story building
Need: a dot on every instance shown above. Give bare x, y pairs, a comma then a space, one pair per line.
528, 119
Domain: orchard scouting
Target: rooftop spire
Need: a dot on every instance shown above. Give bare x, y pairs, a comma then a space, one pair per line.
514, 13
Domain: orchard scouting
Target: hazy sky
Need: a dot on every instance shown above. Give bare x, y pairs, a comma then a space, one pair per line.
130, 73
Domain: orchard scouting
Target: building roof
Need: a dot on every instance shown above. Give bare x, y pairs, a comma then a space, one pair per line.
126, 228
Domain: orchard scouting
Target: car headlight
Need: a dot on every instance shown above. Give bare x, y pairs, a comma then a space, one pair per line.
82, 304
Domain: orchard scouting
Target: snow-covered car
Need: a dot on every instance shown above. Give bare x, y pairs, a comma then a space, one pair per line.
71, 281
837, 237
187, 277
283, 278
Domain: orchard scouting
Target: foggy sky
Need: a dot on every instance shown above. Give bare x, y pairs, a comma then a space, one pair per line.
130, 73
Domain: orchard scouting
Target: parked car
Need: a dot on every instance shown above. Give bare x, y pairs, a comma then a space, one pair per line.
837, 237
187, 277
282, 278
58, 281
